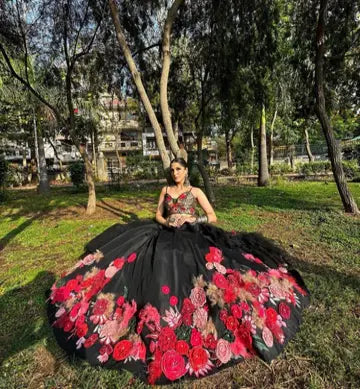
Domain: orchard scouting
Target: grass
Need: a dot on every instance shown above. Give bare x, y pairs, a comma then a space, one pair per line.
41, 236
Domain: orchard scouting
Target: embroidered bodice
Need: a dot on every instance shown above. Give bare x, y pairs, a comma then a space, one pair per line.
185, 203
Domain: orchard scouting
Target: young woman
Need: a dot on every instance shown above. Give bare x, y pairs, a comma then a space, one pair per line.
177, 298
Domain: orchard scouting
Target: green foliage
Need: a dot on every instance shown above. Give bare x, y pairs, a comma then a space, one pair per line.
245, 168
140, 167
316, 167
351, 169
280, 168
77, 173
225, 172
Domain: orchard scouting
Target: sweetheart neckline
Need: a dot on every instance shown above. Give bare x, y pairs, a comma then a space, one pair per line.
176, 198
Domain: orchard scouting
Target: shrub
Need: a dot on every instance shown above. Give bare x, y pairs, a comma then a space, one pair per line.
77, 173
225, 172
316, 167
245, 168
280, 168
351, 169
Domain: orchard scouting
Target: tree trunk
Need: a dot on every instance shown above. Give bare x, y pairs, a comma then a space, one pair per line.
43, 186
91, 205
207, 185
165, 77
263, 175
252, 150
228, 149
118, 156
271, 140
93, 151
57, 157
307, 146
333, 148
140, 87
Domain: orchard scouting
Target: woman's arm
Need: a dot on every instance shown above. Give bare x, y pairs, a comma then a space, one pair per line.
205, 205
160, 208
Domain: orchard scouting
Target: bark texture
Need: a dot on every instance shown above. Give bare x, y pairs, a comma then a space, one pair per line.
165, 77
271, 139
139, 85
91, 205
347, 199
307, 146
263, 176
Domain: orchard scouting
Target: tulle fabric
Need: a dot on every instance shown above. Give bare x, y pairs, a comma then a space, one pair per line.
151, 282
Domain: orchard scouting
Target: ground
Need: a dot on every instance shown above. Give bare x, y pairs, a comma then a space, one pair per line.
42, 236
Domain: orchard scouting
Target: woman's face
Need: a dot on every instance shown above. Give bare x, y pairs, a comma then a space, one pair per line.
178, 172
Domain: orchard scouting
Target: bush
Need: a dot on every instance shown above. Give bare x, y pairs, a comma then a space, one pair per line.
225, 172
317, 167
351, 169
77, 173
280, 168
245, 168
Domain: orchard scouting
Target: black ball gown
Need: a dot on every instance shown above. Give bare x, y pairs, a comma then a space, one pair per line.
172, 303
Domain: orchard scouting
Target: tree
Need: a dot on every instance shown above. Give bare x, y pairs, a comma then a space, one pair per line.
321, 111
70, 40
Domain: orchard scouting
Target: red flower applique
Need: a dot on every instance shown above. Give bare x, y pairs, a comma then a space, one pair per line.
119, 262
165, 289
284, 311
195, 338
199, 362
91, 340
220, 281
173, 300
173, 365
167, 339
122, 350
182, 347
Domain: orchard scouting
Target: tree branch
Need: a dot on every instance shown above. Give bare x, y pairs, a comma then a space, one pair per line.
165, 76
28, 86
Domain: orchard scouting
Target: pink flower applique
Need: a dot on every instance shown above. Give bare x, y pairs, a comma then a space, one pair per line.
111, 271
150, 317
198, 297
105, 351
223, 350
165, 289
267, 337
251, 258
200, 317
172, 317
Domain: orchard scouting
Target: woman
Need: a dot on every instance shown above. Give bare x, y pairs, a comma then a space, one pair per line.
177, 297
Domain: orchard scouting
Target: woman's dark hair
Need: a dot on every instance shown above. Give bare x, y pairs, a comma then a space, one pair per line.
180, 161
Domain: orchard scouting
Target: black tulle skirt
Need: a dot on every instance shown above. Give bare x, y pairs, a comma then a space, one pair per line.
168, 303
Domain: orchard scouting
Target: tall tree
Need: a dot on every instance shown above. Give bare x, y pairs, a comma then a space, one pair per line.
59, 49
321, 111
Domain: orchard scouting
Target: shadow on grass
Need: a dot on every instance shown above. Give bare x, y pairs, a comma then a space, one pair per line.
23, 315
126, 216
286, 198
12, 234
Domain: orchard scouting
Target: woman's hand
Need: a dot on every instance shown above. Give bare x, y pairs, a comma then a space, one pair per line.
185, 219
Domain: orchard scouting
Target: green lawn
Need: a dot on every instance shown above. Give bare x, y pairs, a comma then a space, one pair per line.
43, 236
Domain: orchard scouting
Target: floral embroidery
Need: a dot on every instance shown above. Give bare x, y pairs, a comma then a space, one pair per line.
253, 308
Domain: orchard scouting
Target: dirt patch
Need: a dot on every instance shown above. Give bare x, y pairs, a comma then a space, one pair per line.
45, 365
